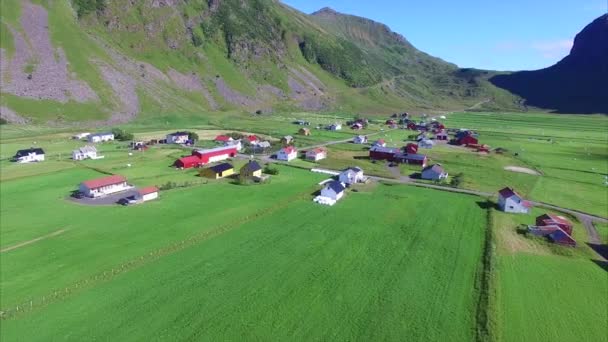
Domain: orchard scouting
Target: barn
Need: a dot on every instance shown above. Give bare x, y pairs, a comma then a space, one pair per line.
216, 154
218, 171
555, 220
553, 233
467, 140
411, 158
411, 148
382, 153
188, 162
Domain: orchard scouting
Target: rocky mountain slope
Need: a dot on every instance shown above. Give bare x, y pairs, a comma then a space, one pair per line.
113, 61
576, 84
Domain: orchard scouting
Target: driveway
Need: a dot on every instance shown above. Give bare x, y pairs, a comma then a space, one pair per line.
106, 200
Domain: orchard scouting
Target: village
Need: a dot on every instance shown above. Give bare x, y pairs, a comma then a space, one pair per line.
256, 155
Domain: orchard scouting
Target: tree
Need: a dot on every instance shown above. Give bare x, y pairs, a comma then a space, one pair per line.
122, 135
192, 136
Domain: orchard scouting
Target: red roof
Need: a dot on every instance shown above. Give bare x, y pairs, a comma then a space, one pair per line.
105, 181
381, 141
289, 149
252, 138
318, 150
190, 160
223, 138
147, 190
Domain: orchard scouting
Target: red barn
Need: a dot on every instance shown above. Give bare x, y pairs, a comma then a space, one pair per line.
468, 140
382, 153
223, 138
412, 126
554, 233
188, 162
215, 154
253, 139
555, 220
411, 148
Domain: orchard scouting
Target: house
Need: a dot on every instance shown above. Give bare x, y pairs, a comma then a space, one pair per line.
261, 146
380, 143
251, 170
104, 186
30, 155
100, 137
304, 131
147, 194
442, 135
236, 144
360, 139
87, 152
382, 153
188, 162
553, 233
426, 143
80, 136
467, 140
510, 201
333, 190
335, 127
178, 138
288, 154
411, 148
434, 172
391, 122
252, 139
223, 139
412, 126
218, 171
555, 220
357, 126
411, 158
352, 175
316, 154
287, 140
217, 154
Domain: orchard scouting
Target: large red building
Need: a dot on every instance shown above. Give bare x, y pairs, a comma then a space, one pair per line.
203, 157
555, 220
382, 153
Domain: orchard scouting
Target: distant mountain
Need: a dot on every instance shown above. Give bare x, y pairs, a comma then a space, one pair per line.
576, 84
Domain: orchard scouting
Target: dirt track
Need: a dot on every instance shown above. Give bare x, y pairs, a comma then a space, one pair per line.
22, 244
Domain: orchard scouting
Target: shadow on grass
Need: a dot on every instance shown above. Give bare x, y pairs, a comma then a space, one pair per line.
486, 205
599, 249
602, 264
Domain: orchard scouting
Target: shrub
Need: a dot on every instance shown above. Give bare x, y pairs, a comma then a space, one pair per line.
84, 7
269, 170
457, 180
121, 135
193, 136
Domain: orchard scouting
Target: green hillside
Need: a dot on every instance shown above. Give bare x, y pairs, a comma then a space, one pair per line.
115, 61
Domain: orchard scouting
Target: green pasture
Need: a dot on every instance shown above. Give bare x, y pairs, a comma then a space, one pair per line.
295, 270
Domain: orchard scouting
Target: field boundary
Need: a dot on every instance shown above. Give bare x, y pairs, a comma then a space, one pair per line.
29, 242
484, 315
143, 260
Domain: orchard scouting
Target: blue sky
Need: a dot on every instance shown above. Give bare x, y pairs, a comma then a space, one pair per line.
488, 34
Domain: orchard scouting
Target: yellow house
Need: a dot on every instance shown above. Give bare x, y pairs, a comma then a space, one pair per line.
218, 171
251, 170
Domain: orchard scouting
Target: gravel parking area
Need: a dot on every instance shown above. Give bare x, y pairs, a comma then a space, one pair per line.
106, 200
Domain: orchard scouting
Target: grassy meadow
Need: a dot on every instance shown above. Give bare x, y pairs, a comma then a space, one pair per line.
213, 260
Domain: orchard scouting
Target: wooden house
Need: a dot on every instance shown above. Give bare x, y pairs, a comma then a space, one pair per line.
218, 171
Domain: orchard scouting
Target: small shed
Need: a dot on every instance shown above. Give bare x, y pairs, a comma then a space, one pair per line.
147, 194
286, 140
304, 131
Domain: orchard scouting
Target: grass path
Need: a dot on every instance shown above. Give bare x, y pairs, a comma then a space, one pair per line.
25, 243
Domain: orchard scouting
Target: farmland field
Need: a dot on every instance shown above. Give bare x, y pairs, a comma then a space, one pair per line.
215, 260
262, 277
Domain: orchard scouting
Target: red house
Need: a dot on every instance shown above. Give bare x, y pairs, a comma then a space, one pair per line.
411, 148
223, 138
555, 220
390, 122
412, 126
253, 139
467, 140
382, 153
188, 162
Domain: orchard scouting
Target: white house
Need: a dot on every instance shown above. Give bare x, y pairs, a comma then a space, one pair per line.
333, 190
352, 175
104, 186
30, 155
288, 153
238, 144
380, 143
100, 137
80, 136
335, 127
316, 154
87, 152
177, 138
510, 201
360, 139
426, 143
434, 172
147, 194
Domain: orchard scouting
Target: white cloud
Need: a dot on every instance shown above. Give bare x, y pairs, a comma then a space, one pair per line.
553, 49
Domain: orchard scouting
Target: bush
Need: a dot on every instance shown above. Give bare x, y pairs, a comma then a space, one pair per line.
269, 170
84, 7
121, 135
193, 136
457, 180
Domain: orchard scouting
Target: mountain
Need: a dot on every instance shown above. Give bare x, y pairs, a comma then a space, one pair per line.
576, 84
114, 61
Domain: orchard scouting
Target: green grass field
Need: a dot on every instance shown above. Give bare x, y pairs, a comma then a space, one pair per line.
220, 261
